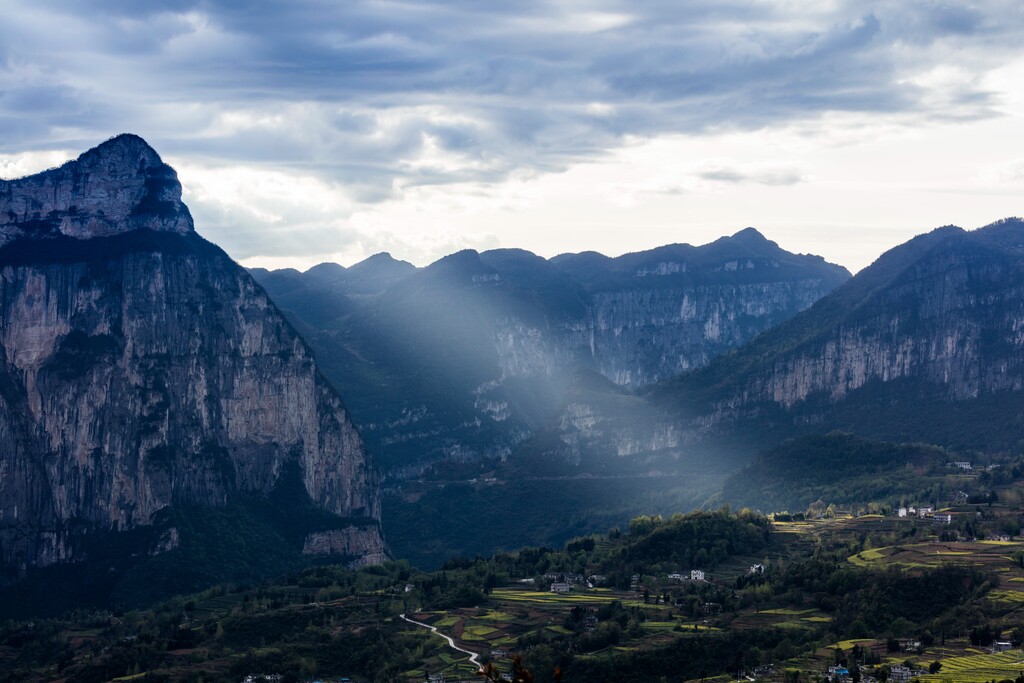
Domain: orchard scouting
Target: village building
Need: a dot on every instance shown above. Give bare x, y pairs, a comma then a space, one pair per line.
910, 645
558, 587
898, 673
696, 575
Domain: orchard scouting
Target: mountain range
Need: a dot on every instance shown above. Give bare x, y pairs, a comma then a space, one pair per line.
469, 356
662, 372
168, 419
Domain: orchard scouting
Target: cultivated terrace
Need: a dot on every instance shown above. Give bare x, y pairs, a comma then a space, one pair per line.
816, 595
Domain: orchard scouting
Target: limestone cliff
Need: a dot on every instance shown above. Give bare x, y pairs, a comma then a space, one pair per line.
925, 345
141, 368
938, 318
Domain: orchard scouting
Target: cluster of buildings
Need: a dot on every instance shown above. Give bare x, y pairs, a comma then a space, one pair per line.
694, 575
926, 512
899, 673
563, 582
919, 512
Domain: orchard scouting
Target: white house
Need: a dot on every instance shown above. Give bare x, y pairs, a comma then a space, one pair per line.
962, 464
696, 575
902, 512
943, 518
898, 672
560, 588
756, 569
676, 576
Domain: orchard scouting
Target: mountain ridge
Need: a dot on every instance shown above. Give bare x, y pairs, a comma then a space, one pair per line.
479, 348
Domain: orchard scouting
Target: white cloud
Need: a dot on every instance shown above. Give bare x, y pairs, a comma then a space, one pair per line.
309, 128
27, 163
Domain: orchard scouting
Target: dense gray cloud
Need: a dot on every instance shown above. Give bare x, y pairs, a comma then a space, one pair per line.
378, 96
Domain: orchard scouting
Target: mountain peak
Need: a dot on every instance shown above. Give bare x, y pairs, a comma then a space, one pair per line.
382, 264
116, 187
751, 235
124, 145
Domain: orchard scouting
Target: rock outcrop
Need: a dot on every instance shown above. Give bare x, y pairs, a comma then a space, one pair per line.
141, 368
119, 186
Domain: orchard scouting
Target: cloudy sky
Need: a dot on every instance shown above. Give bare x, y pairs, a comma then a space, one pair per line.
320, 130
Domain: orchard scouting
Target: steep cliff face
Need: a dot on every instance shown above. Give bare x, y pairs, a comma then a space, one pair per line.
952, 318
143, 369
926, 344
660, 313
943, 310
471, 355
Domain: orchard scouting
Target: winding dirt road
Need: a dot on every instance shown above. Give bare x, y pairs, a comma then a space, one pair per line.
451, 643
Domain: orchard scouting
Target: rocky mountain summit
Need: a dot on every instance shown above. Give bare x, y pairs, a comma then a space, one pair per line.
117, 187
145, 374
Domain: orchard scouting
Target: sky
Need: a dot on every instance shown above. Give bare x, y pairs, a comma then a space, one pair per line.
314, 130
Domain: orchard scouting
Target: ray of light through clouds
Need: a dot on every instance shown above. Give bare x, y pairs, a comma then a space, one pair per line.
313, 130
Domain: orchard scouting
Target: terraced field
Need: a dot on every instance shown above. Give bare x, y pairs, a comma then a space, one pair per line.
542, 598
979, 668
993, 555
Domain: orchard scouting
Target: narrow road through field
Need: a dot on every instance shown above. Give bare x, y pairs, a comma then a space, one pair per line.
451, 643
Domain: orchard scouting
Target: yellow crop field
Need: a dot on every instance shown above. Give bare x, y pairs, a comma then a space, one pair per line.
551, 598
497, 616
1007, 596
480, 630
979, 668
